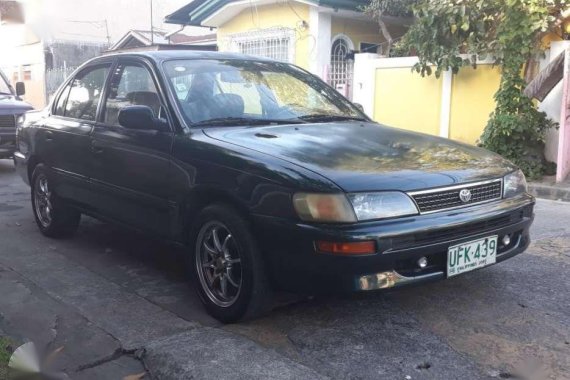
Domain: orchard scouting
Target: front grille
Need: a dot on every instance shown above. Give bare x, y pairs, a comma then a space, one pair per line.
7, 121
441, 199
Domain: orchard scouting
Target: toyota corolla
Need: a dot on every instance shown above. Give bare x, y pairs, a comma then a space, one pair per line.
268, 177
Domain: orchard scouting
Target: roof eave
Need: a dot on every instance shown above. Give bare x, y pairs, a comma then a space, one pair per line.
198, 11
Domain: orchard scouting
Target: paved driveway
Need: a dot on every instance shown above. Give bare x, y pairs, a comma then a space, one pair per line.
119, 304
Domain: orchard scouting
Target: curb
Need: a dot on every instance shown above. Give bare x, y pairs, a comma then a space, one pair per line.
214, 353
551, 192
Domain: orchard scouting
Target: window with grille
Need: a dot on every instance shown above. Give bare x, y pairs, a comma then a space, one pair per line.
341, 66
277, 44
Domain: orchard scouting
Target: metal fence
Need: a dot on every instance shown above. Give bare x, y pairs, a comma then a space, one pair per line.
55, 77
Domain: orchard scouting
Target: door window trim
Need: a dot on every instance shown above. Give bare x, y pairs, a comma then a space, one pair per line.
136, 61
69, 83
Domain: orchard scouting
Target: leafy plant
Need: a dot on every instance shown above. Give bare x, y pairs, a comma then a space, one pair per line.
449, 34
6, 348
516, 128
380, 9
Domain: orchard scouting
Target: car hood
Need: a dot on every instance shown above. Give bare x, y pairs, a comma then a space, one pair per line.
368, 156
9, 105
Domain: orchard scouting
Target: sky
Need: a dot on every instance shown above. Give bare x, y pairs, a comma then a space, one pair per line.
92, 20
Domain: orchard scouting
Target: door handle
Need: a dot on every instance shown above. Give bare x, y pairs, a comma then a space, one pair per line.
49, 136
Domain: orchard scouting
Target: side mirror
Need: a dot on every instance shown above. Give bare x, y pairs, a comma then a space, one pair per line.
140, 117
20, 88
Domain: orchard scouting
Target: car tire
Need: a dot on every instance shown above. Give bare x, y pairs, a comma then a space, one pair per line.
54, 217
235, 260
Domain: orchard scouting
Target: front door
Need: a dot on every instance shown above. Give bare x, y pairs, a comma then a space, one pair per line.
64, 139
131, 166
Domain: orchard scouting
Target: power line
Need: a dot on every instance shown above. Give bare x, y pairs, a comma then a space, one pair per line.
96, 23
294, 11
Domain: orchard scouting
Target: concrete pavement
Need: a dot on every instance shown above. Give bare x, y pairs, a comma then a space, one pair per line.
119, 304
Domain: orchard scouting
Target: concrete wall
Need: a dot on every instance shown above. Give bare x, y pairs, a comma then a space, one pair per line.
35, 86
406, 101
551, 104
456, 107
472, 101
23, 55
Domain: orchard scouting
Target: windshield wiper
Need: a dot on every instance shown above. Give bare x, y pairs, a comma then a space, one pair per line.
231, 121
325, 117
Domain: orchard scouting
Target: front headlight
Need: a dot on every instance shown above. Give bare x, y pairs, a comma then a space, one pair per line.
514, 184
323, 208
387, 204
353, 207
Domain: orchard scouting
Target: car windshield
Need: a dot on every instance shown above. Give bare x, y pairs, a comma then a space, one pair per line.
4, 88
233, 92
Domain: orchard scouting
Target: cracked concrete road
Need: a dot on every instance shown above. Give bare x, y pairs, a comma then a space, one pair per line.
119, 304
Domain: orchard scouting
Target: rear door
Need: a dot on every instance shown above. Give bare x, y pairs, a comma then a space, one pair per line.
64, 140
131, 167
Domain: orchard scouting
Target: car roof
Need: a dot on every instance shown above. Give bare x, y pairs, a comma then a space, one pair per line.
164, 55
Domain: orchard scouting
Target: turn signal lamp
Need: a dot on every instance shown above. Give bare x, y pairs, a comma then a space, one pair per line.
346, 248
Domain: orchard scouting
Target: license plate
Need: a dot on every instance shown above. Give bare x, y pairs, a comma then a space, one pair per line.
469, 256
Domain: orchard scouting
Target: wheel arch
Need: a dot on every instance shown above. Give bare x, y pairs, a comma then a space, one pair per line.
201, 197
33, 161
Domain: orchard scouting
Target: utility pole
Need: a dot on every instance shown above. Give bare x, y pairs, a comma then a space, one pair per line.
107, 33
151, 26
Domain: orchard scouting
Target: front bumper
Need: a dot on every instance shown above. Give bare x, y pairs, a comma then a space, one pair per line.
294, 264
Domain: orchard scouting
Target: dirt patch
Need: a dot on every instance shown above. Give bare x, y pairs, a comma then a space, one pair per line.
528, 360
557, 248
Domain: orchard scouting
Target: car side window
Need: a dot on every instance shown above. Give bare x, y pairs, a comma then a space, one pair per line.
60, 105
85, 92
132, 84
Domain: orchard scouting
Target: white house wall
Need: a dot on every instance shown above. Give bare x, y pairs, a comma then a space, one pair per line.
320, 54
551, 104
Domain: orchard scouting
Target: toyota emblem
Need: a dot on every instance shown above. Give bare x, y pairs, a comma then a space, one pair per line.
465, 195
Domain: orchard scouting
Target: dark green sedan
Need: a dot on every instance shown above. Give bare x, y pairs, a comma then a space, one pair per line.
268, 177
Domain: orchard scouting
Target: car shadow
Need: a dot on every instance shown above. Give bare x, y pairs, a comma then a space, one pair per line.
6, 167
150, 267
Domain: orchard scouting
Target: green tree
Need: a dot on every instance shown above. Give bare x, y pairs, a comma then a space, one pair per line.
449, 34
382, 10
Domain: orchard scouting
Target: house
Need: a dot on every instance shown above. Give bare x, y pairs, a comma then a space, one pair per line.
318, 35
160, 40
